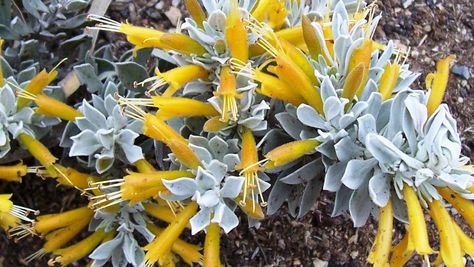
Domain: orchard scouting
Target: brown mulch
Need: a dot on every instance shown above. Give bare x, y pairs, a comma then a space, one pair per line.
433, 29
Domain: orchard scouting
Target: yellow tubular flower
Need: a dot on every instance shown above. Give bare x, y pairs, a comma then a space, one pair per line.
176, 78
172, 107
47, 223
212, 246
72, 177
140, 186
228, 91
417, 224
183, 44
236, 34
450, 247
314, 47
379, 254
467, 243
58, 238
214, 125
464, 206
188, 252
402, 252
51, 107
12, 215
270, 85
250, 168
289, 152
1, 71
260, 10
293, 35
144, 166
163, 213
159, 130
141, 37
39, 151
249, 208
299, 58
277, 14
79, 250
292, 75
195, 11
361, 55
162, 244
353, 82
37, 84
389, 80
13, 173
437, 82
273, 87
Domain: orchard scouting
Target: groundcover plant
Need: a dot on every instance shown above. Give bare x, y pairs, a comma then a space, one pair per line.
243, 107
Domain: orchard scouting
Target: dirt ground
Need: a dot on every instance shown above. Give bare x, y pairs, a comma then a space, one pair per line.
432, 29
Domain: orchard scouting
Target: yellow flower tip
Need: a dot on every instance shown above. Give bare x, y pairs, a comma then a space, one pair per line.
296, 78
249, 167
467, 243
300, 60
164, 242
277, 15
50, 107
196, 11
314, 46
353, 82
437, 83
188, 252
39, 151
260, 10
47, 223
172, 107
79, 250
178, 145
250, 208
294, 35
450, 247
227, 90
182, 44
270, 85
402, 252
14, 173
379, 254
464, 206
417, 224
389, 80
212, 246
175, 78
361, 55
214, 125
11, 216
289, 152
236, 34
140, 186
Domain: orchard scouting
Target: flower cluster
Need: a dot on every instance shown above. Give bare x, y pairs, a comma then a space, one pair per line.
262, 96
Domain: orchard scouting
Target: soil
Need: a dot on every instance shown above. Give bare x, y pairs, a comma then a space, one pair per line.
432, 29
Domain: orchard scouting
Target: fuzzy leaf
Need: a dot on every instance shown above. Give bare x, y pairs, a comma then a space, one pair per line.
129, 73
200, 221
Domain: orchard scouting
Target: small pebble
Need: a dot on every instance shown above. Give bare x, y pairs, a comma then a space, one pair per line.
462, 71
460, 100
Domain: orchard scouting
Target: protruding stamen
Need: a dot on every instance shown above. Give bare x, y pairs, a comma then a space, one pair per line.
105, 23
37, 255
129, 109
